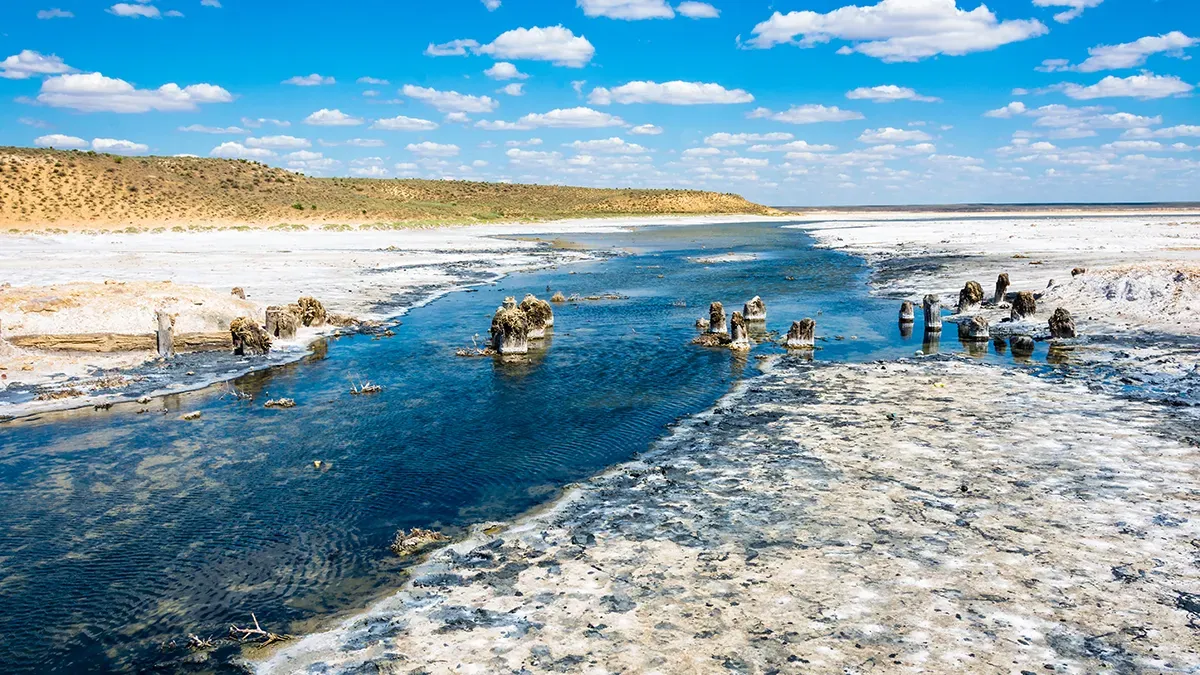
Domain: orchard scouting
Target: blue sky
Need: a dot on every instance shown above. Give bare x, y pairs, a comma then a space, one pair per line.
794, 102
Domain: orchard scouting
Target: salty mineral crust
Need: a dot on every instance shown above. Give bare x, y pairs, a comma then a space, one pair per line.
913, 517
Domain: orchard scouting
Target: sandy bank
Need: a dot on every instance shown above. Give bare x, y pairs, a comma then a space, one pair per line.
938, 517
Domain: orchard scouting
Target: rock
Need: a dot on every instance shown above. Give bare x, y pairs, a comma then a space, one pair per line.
755, 310
975, 330
192, 416
249, 337
415, 541
1001, 289
312, 312
1062, 325
716, 318
280, 403
802, 335
1078, 271
933, 314
702, 323
739, 338
1021, 345
538, 315
712, 340
970, 298
1024, 305
510, 329
558, 298
237, 291
907, 312
281, 322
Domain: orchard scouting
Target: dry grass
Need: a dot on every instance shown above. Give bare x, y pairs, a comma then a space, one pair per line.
72, 190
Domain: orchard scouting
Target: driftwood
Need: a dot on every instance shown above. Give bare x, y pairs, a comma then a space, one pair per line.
106, 343
802, 335
255, 635
933, 314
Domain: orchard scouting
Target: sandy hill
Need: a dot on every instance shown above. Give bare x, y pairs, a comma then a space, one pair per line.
53, 189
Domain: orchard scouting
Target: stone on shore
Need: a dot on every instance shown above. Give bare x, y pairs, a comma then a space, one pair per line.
281, 322
1023, 306
1002, 285
249, 338
1062, 325
312, 312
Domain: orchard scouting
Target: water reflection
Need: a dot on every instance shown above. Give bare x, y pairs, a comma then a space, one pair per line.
932, 342
906, 330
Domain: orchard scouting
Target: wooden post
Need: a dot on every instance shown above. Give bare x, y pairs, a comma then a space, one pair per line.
975, 330
755, 310
281, 323
737, 331
1062, 325
510, 329
239, 292
716, 318
802, 335
933, 314
165, 335
1023, 306
907, 313
1001, 289
970, 298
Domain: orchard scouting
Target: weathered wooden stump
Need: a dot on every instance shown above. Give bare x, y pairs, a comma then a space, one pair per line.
249, 338
1001, 289
755, 310
907, 312
974, 330
558, 298
933, 314
1024, 305
739, 338
165, 335
239, 292
281, 322
803, 335
1021, 345
510, 329
1078, 271
538, 315
312, 312
1062, 325
970, 298
716, 318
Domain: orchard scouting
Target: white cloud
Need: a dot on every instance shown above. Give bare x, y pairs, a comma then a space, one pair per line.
303, 156
1014, 108
892, 135
313, 80
54, 14
234, 150
256, 123
532, 157
332, 118
450, 101
134, 11
555, 44
501, 125
521, 144
698, 10
93, 92
898, 30
457, 118
572, 118
365, 143
118, 147
807, 114
430, 149
514, 89
701, 152
630, 10
452, 48
746, 162
278, 142
886, 93
372, 81
174, 13
1076, 7
1169, 132
215, 4
725, 140
646, 130
1134, 146
669, 93
29, 63
1144, 86
201, 129
613, 146
374, 171
793, 147
503, 70
1125, 55
492, 5
402, 123
60, 141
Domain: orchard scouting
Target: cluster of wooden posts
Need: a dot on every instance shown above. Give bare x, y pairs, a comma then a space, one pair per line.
515, 325
801, 336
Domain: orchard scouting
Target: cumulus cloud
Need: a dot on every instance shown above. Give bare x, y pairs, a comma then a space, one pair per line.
559, 118
313, 80
614, 145
332, 118
1168, 132
892, 135
234, 150
491, 5
60, 141
1014, 108
1074, 7
1125, 55
29, 63
807, 114
93, 92
215, 4
372, 171
256, 123
431, 149
450, 101
134, 11
521, 144
514, 89
746, 162
118, 146
725, 140
55, 13
503, 70
278, 142
698, 10
888, 93
452, 48
793, 147
1145, 86
629, 10
669, 93
555, 44
646, 130
402, 123
201, 129
694, 153
898, 30
372, 81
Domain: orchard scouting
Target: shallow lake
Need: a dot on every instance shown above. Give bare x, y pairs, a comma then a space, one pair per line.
126, 529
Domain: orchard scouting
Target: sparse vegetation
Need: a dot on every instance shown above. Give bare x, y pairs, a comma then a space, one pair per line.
85, 190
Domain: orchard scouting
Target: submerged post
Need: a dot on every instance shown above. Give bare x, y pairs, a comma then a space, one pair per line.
802, 335
1001, 289
165, 335
933, 314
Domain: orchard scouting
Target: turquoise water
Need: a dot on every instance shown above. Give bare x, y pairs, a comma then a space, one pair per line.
126, 529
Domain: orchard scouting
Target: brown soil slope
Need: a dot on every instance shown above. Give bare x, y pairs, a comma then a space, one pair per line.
71, 189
